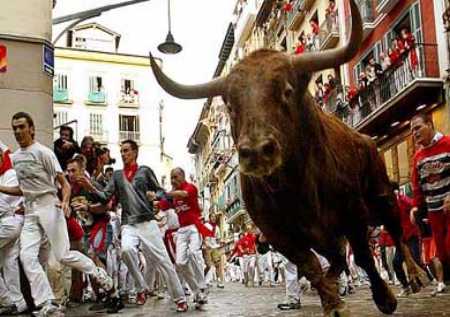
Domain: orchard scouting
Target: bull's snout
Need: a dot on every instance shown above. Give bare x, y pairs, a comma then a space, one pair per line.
259, 158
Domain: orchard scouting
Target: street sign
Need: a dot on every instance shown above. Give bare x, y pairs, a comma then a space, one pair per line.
48, 60
3, 59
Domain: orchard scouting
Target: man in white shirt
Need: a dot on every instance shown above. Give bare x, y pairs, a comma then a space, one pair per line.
11, 297
37, 169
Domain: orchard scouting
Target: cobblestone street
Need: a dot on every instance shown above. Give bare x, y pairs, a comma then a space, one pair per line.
236, 300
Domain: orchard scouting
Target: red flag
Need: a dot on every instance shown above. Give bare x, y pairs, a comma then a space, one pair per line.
3, 55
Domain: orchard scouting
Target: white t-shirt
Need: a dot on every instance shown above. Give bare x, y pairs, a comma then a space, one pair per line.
212, 242
36, 167
8, 203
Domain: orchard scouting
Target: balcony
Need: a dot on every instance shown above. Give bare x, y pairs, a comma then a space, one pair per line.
129, 100
385, 6
61, 95
245, 20
398, 92
329, 33
299, 10
130, 135
96, 97
368, 17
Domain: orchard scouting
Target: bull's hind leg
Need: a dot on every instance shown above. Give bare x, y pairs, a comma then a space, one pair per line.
358, 239
309, 266
388, 212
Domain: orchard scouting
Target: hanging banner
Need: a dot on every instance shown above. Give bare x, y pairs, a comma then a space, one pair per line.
3, 59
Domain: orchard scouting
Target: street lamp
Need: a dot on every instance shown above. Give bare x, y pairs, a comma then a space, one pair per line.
169, 46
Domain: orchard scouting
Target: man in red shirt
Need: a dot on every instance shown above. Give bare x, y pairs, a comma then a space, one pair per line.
431, 187
189, 257
410, 238
248, 244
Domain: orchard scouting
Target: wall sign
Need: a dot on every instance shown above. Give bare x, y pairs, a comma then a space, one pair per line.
48, 60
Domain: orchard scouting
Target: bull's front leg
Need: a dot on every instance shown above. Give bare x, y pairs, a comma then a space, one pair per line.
309, 266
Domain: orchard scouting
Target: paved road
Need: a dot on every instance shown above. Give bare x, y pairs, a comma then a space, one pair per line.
236, 301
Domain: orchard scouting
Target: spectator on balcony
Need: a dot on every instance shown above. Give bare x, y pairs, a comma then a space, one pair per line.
377, 67
319, 93
385, 61
331, 15
351, 95
326, 94
315, 29
395, 53
410, 45
65, 147
370, 74
301, 45
288, 6
310, 42
332, 81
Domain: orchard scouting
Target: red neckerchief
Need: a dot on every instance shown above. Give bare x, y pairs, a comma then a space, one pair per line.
130, 171
7, 165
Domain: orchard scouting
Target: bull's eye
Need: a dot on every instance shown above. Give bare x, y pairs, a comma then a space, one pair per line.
287, 93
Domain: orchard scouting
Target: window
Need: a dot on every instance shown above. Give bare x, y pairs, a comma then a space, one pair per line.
129, 127
95, 84
60, 82
59, 118
128, 93
96, 123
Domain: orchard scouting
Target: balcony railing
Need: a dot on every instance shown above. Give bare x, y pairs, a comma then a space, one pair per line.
60, 95
384, 6
129, 99
130, 135
394, 81
329, 33
97, 97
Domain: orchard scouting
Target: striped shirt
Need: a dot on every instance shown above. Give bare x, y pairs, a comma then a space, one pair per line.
431, 174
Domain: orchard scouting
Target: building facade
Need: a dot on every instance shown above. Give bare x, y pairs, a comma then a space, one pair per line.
26, 71
109, 96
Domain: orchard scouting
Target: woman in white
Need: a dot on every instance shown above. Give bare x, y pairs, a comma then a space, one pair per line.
11, 223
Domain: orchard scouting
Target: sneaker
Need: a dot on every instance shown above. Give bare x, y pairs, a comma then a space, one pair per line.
114, 305
187, 292
289, 306
405, 292
201, 298
440, 288
220, 285
48, 309
182, 307
141, 298
160, 295
102, 278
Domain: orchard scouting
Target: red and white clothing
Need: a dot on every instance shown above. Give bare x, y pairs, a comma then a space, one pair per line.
431, 184
10, 228
188, 242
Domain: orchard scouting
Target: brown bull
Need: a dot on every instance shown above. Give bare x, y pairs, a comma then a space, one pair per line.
308, 180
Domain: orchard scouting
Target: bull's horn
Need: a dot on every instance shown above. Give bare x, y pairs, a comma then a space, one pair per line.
210, 89
334, 57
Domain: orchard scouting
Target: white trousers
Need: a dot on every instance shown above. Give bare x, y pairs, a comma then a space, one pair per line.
10, 292
45, 223
249, 267
265, 267
293, 292
147, 236
189, 258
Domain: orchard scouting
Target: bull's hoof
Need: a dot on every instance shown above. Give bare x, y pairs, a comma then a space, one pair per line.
340, 311
384, 298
